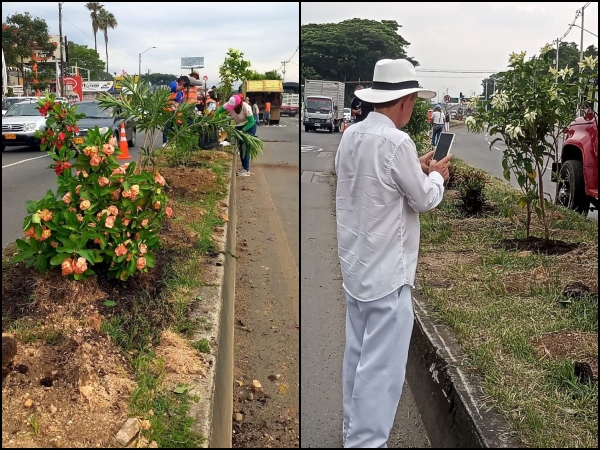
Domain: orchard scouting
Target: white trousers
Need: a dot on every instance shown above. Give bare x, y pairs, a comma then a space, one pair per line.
446, 126
377, 340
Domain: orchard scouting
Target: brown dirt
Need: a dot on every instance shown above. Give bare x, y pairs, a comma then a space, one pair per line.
69, 385
570, 345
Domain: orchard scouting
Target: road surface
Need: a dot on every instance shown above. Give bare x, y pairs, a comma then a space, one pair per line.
267, 294
323, 310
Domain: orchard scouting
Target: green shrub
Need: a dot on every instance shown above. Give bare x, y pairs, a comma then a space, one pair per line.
471, 186
105, 213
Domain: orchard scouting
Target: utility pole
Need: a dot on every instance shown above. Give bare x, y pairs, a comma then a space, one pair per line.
60, 40
581, 46
284, 64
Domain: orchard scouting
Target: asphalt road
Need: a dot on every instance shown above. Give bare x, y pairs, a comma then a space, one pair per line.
474, 150
324, 309
25, 176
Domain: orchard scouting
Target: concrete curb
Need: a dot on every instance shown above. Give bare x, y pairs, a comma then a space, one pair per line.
450, 399
214, 410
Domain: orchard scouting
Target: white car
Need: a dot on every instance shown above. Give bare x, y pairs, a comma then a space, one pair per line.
20, 124
347, 115
7, 102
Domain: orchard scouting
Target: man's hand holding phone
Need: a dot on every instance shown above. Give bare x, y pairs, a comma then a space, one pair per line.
425, 160
442, 167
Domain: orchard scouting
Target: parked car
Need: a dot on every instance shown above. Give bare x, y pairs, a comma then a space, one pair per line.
103, 118
20, 124
7, 102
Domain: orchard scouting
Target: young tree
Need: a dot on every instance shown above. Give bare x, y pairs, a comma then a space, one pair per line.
22, 34
94, 8
234, 68
530, 110
106, 20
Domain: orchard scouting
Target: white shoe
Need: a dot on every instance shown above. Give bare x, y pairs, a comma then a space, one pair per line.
243, 173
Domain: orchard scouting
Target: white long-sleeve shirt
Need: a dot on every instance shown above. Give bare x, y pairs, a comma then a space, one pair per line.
381, 190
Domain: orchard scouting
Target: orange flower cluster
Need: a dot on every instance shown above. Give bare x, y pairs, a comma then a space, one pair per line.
70, 266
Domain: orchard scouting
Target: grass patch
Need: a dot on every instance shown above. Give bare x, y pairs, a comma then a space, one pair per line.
502, 302
202, 345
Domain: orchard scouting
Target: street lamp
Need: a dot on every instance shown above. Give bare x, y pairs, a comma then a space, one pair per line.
140, 62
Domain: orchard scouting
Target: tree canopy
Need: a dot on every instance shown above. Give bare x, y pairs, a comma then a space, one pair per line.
348, 51
86, 58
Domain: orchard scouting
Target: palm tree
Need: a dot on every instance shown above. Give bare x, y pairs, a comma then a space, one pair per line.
94, 8
106, 20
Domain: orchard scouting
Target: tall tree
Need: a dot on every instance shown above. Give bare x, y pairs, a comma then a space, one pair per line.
568, 55
87, 58
94, 8
23, 34
106, 20
348, 50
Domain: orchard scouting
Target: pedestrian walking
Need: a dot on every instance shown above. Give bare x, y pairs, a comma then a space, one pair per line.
241, 113
255, 111
447, 122
359, 109
382, 187
267, 112
437, 119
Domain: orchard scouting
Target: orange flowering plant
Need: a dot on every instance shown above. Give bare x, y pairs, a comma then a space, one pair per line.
104, 213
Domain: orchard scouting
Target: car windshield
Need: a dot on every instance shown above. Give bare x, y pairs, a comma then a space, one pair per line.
93, 111
321, 104
23, 109
8, 102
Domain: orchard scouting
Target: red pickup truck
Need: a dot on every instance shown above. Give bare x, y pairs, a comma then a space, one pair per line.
576, 172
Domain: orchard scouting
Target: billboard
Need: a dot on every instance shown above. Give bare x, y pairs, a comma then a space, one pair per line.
97, 86
192, 62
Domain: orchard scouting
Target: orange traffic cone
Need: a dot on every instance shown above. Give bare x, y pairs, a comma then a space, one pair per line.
345, 125
123, 144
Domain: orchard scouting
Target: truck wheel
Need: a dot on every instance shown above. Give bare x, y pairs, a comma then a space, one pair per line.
330, 129
571, 187
307, 129
131, 142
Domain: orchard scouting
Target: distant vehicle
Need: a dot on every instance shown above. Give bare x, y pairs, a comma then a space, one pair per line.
347, 115
103, 118
7, 102
324, 103
290, 104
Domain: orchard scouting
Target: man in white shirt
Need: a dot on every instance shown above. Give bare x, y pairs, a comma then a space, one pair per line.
382, 187
437, 119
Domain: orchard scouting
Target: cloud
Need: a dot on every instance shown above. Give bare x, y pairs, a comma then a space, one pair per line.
464, 36
267, 33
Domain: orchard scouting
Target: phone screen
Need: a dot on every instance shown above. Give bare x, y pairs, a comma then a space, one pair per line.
443, 147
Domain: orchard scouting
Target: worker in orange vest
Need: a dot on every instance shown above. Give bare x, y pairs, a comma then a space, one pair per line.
176, 97
191, 93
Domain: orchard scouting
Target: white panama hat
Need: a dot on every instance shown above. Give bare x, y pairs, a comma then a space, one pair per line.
392, 79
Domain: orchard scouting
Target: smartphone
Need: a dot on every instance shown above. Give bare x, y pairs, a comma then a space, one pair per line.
443, 148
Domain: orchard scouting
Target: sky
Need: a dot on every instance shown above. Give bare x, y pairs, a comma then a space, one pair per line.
460, 36
267, 33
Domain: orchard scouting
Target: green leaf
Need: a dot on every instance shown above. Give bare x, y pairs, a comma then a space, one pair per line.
59, 259
42, 262
32, 206
23, 245
109, 303
89, 255
182, 388
23, 256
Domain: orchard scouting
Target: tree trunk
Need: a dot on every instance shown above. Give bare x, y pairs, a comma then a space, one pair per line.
545, 219
106, 44
95, 43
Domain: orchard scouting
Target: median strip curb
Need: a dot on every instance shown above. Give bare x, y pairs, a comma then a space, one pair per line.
450, 399
213, 413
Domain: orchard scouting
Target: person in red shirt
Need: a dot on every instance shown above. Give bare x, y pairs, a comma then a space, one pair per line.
267, 113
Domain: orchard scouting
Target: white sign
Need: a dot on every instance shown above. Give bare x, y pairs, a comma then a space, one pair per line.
97, 86
191, 62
